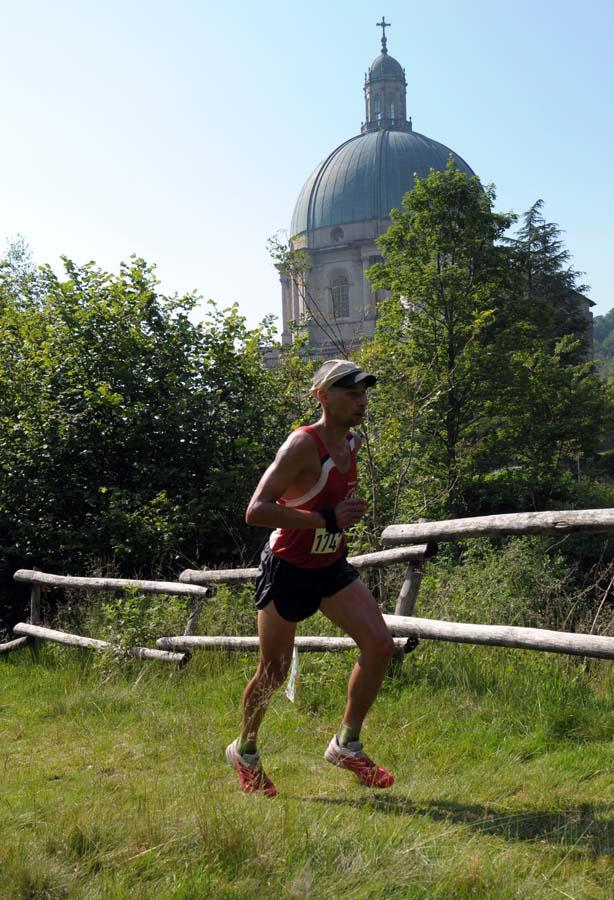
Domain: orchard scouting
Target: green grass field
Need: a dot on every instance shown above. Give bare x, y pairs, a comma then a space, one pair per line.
114, 782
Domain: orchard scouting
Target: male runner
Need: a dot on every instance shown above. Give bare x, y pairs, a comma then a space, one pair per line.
307, 496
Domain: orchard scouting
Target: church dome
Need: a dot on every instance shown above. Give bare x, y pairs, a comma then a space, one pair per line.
385, 66
367, 176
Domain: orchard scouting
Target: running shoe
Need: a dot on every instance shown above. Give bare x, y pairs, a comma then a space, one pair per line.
353, 758
252, 778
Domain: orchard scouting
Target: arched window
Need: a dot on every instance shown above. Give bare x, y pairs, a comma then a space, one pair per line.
377, 108
336, 234
340, 290
392, 109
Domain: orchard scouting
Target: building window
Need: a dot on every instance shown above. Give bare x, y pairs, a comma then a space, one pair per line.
336, 235
392, 109
340, 290
377, 109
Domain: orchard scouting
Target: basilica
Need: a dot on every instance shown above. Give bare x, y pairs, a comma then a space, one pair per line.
344, 206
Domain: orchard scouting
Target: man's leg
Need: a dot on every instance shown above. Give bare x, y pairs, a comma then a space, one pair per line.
276, 643
355, 611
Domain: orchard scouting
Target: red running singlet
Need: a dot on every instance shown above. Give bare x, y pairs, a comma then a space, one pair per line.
314, 548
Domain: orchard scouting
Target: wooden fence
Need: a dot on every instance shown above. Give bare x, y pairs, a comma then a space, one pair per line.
32, 632
420, 537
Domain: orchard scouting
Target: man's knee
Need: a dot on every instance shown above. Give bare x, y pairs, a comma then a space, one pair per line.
380, 647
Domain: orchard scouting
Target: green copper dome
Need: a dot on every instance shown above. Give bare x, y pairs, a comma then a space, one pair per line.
385, 66
366, 177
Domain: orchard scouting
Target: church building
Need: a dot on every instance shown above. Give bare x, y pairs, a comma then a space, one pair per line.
345, 205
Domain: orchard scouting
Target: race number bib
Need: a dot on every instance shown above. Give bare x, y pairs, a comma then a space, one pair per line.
325, 542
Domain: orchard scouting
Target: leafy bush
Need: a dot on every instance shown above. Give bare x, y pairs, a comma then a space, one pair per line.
136, 619
513, 582
128, 433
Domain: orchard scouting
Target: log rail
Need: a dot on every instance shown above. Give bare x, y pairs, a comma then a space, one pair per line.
558, 522
87, 643
432, 629
377, 560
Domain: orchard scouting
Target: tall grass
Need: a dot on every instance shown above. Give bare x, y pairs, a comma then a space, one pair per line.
115, 785
114, 782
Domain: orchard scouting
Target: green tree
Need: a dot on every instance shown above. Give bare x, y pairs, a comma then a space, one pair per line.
603, 343
551, 287
478, 408
447, 274
128, 434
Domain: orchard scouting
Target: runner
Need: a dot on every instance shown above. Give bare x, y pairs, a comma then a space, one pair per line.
308, 496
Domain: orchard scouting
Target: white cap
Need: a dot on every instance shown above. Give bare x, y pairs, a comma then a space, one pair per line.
340, 373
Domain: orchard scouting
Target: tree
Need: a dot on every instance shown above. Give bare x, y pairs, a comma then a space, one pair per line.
128, 435
447, 275
551, 287
21, 279
477, 409
603, 343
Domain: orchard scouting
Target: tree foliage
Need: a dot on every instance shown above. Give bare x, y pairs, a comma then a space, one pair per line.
128, 434
603, 343
551, 287
479, 407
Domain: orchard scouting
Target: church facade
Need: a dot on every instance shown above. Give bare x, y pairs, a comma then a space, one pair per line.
345, 205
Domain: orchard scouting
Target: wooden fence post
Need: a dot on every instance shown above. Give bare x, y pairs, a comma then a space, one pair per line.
196, 608
35, 616
406, 601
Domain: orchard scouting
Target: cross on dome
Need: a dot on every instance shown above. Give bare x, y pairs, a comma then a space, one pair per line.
383, 25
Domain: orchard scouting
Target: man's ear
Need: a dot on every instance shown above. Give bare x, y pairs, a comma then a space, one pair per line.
321, 396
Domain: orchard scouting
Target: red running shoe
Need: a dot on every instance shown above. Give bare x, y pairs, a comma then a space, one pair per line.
252, 778
356, 760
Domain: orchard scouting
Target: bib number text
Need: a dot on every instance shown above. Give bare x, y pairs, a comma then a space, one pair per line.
325, 542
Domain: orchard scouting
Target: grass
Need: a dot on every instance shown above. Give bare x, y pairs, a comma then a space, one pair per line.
114, 781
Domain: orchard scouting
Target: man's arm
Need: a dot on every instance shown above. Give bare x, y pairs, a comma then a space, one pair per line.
292, 459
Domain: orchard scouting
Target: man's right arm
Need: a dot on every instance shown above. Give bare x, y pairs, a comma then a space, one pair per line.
292, 459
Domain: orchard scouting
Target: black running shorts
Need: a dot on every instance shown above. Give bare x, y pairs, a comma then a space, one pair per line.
297, 592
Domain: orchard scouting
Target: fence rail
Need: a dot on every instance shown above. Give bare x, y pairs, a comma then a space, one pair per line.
314, 644
87, 643
33, 576
503, 636
513, 636
9, 646
377, 560
558, 522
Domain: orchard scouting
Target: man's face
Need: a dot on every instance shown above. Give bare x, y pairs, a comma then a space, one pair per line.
347, 406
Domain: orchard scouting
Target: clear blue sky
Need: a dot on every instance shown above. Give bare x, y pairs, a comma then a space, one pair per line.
183, 132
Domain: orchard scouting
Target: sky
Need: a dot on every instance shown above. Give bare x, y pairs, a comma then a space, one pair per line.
184, 132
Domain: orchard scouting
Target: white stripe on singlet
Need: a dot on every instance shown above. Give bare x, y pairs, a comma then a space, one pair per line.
318, 486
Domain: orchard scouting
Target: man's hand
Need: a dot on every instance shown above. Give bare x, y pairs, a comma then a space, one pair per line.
348, 512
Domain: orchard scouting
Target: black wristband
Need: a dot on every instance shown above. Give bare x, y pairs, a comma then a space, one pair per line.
331, 520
